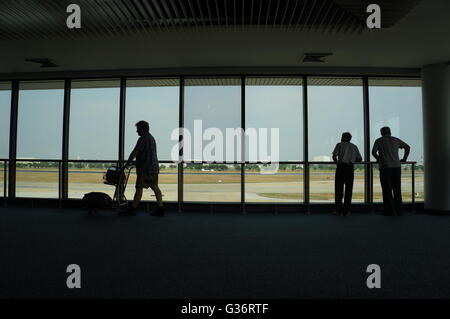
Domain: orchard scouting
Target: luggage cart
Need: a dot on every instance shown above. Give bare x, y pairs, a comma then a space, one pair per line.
118, 177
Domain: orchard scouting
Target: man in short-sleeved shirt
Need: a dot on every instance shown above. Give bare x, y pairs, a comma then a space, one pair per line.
345, 154
385, 150
146, 158
147, 167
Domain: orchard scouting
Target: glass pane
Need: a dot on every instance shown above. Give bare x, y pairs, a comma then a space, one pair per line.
37, 179
419, 178
85, 177
283, 186
157, 102
167, 182
322, 177
335, 106
275, 103
5, 109
210, 107
3, 179
406, 181
212, 183
94, 120
397, 103
40, 120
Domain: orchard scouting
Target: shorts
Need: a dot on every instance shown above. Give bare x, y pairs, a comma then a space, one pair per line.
147, 181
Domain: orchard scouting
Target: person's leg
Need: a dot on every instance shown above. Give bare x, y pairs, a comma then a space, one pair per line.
137, 197
138, 193
386, 187
397, 189
158, 194
154, 186
349, 177
338, 189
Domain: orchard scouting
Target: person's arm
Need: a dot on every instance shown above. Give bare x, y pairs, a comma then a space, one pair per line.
407, 150
131, 157
375, 151
358, 156
335, 152
335, 158
134, 153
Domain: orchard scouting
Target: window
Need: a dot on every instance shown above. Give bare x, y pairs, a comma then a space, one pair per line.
212, 182
39, 136
3, 179
94, 120
37, 179
94, 134
335, 106
397, 103
5, 109
212, 117
157, 102
211, 106
40, 120
284, 185
274, 103
167, 182
85, 177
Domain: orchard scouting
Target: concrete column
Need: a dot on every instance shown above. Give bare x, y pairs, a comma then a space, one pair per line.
436, 128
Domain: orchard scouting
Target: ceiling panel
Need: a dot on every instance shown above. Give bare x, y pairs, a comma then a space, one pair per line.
34, 19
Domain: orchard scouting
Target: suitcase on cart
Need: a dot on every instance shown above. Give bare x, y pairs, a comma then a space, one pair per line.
95, 200
119, 179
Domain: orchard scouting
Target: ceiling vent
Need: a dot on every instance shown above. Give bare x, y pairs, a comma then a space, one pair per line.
45, 63
315, 57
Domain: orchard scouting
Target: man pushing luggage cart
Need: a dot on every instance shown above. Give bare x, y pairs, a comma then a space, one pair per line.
147, 169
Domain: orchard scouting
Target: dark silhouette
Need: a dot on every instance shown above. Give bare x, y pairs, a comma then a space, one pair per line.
94, 201
385, 150
147, 168
345, 155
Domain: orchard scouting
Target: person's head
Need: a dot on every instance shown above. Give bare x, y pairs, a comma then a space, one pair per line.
385, 131
142, 127
346, 137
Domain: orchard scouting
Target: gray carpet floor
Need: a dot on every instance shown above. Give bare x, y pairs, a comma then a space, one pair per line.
201, 255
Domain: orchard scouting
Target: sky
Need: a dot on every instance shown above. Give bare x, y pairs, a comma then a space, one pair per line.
95, 118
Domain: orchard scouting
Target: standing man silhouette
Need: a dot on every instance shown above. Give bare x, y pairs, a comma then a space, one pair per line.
345, 155
385, 150
147, 168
